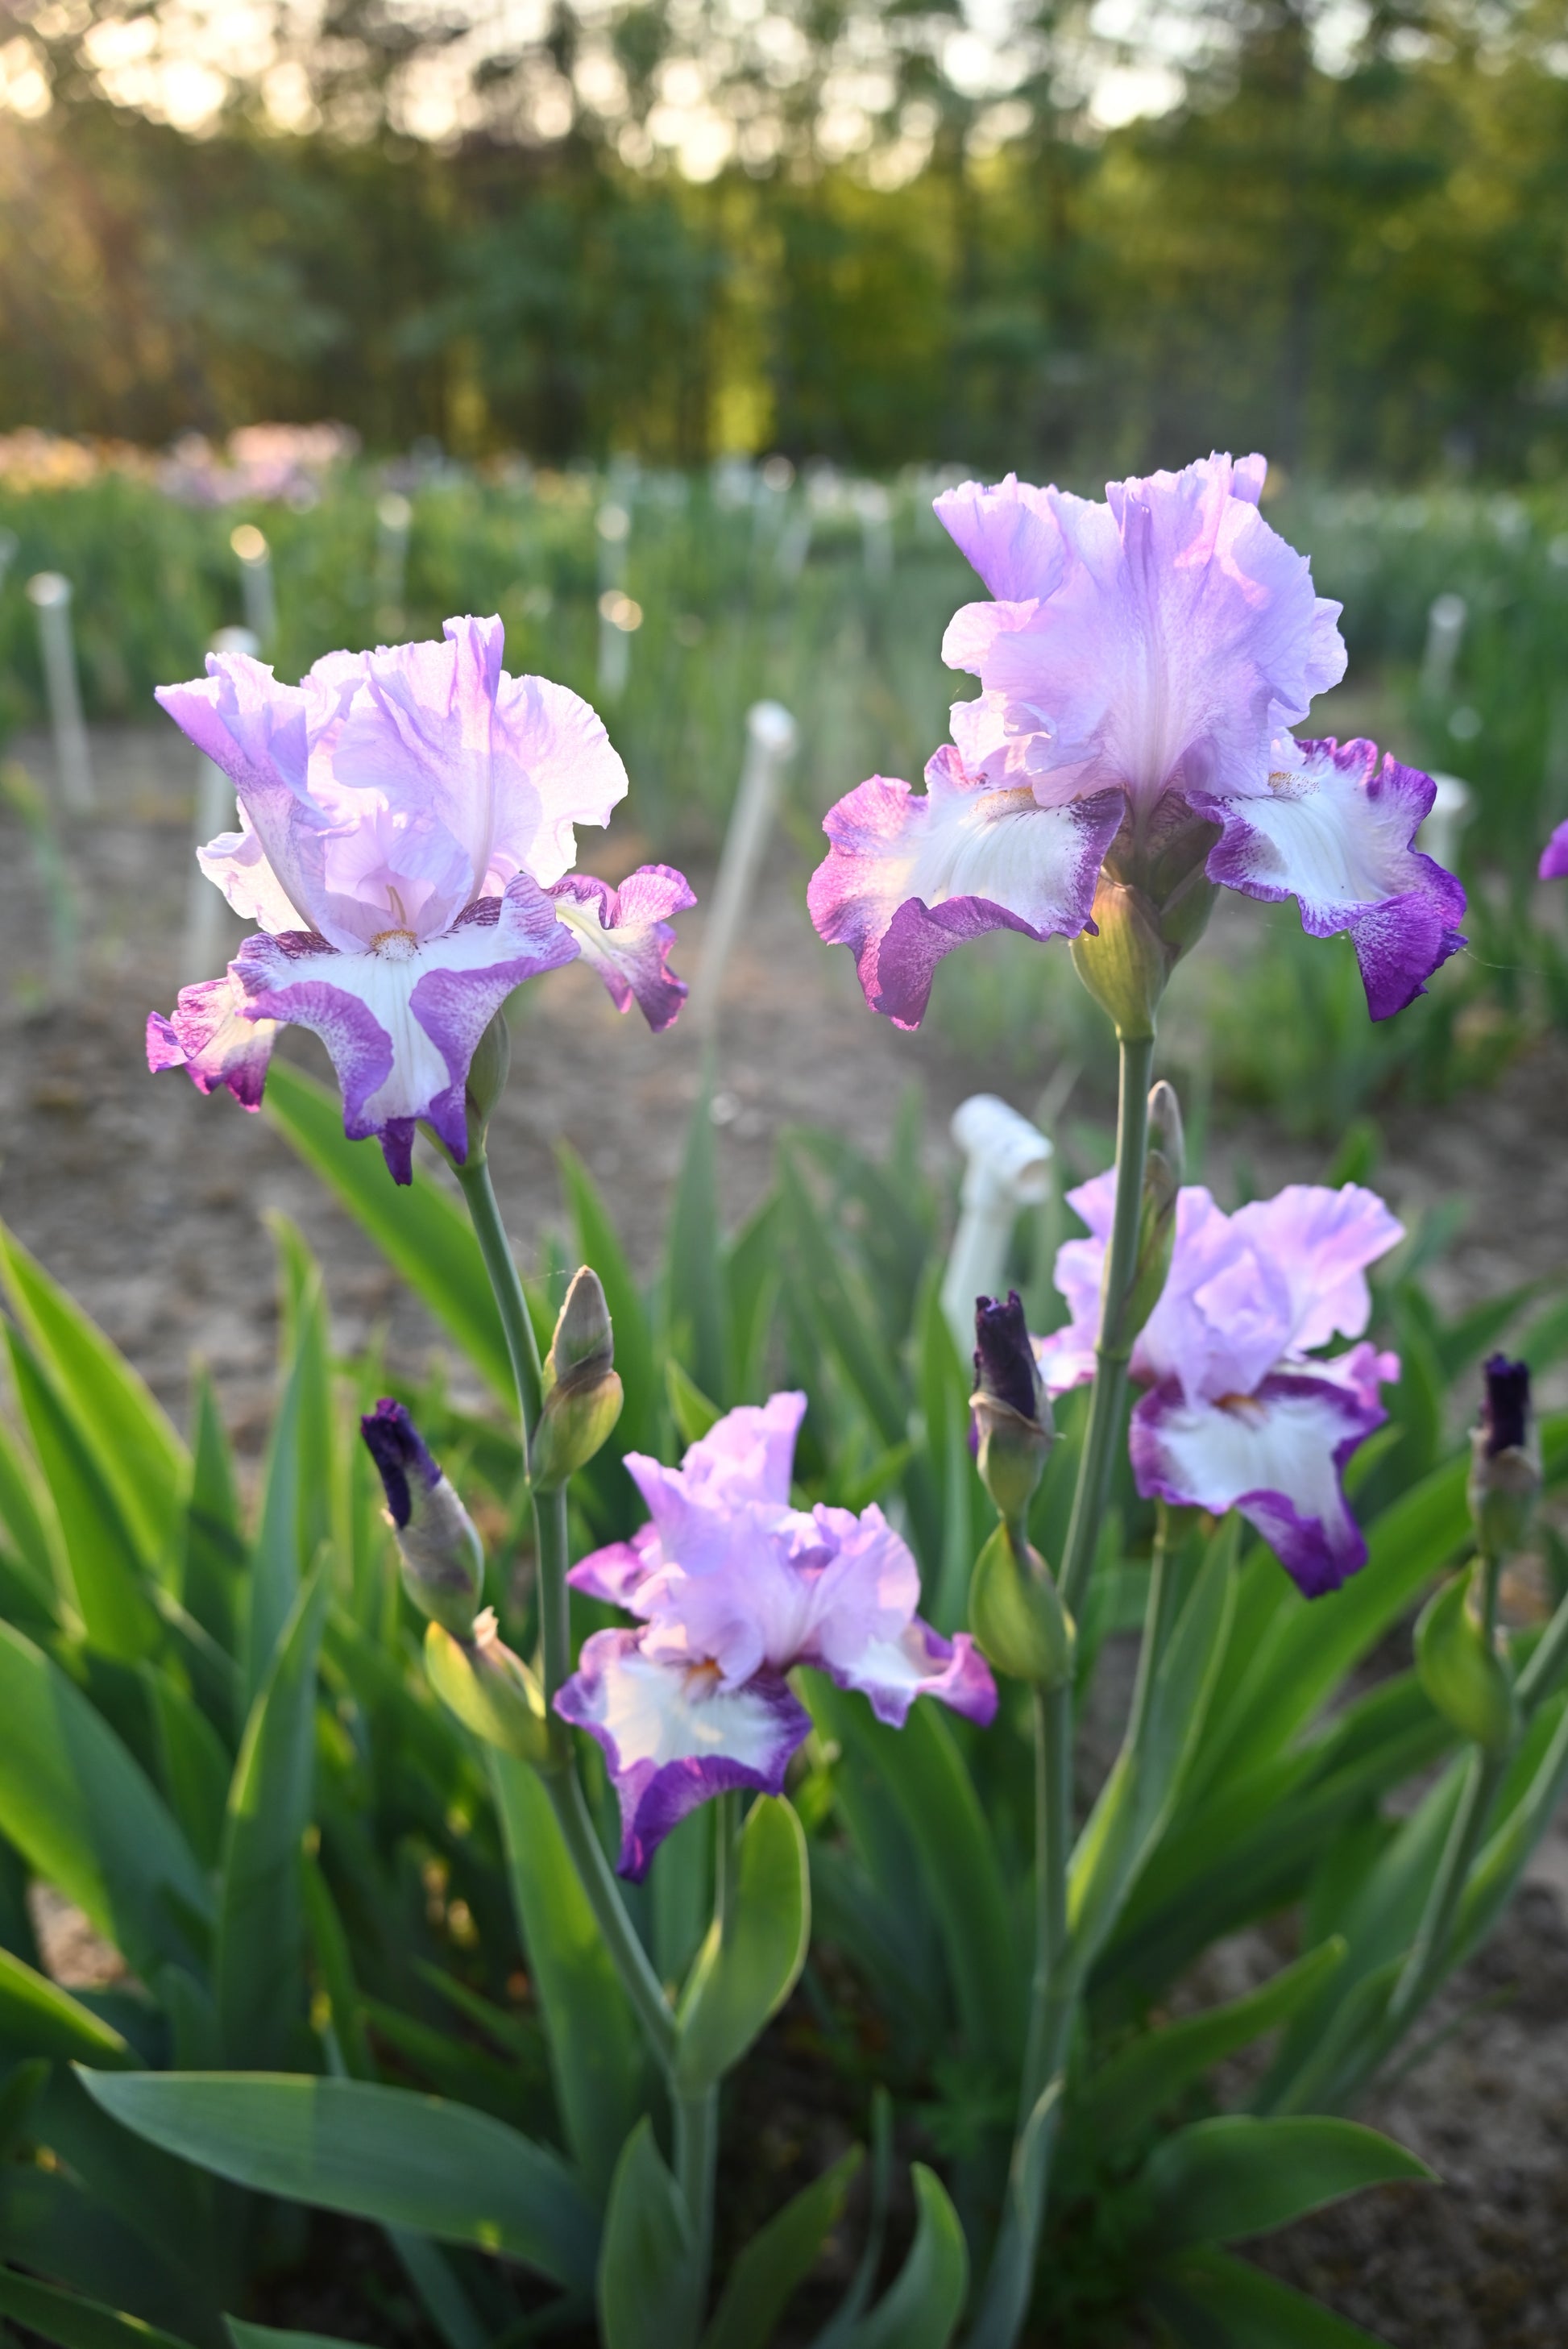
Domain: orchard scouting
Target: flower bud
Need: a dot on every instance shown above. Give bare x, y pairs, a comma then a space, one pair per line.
582, 1394
1012, 1414
1124, 962
1162, 1171
1459, 1668
488, 1072
1017, 1614
443, 1563
1505, 1460
490, 1690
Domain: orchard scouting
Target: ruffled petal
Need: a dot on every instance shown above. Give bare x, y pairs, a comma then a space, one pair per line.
617, 1572
1334, 829
674, 1735
210, 1038
1554, 855
891, 1673
1162, 648
747, 1456
1323, 1240
402, 1027
907, 879
1277, 1455
624, 933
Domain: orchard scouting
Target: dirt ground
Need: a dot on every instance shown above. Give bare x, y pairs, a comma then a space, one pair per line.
151, 1203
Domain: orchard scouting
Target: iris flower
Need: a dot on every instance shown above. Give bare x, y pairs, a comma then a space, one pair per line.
733, 1586
1554, 855
405, 846
1139, 666
1241, 1410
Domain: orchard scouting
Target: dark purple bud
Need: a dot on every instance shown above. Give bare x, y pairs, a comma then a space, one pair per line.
1505, 1405
1004, 1359
399, 1451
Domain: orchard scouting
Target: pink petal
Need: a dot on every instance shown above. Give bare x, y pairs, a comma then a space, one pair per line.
624, 934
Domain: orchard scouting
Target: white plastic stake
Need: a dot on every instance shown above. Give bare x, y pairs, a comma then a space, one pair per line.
393, 519
1451, 810
618, 614
1445, 633
772, 737
255, 561
51, 595
1006, 1168
202, 953
9, 545
874, 507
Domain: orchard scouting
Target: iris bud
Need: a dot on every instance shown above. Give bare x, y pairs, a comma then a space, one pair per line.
1017, 1614
443, 1562
490, 1690
1012, 1414
582, 1393
1162, 1171
1124, 962
1505, 1460
488, 1073
1458, 1666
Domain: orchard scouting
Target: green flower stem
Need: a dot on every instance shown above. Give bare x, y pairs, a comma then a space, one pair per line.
1159, 1616
560, 1780
1114, 1342
696, 2159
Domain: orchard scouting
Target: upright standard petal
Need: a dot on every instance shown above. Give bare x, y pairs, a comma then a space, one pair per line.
1334, 829
624, 933
1323, 1240
401, 1021
1157, 642
907, 879
1277, 1455
674, 1735
209, 1036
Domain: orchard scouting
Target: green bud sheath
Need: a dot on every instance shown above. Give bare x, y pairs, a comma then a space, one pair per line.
491, 1691
582, 1394
1459, 1669
1016, 1615
488, 1072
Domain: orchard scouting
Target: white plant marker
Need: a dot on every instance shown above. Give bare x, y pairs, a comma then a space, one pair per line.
772, 737
1445, 633
618, 614
9, 546
1451, 810
874, 507
1006, 1168
205, 912
49, 593
393, 519
255, 561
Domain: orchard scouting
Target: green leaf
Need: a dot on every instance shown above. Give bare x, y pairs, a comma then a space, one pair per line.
921, 2308
193, 1763
1221, 2180
40, 2018
690, 1409
921, 1770
1250, 2309
752, 1288
74, 2323
694, 1284
595, 2046
117, 1414
266, 2336
423, 1234
304, 1338
1524, 1814
257, 1980
752, 1957
278, 1567
80, 1810
1460, 1670
385, 2154
779, 2259
105, 1567
599, 1244
648, 2286
214, 1535
1143, 2079
838, 1307
24, 1512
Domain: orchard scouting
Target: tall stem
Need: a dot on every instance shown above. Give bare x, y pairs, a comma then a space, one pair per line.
562, 1783
1114, 1344
696, 2159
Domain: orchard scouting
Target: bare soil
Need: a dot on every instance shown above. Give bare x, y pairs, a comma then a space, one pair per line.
150, 1203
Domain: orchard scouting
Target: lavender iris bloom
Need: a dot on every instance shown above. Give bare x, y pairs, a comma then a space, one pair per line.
1140, 668
406, 838
1554, 855
733, 1586
1240, 1410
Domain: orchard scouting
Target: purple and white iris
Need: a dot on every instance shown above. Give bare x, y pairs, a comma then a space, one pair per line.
733, 1586
1554, 855
1240, 1410
1140, 666
406, 838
